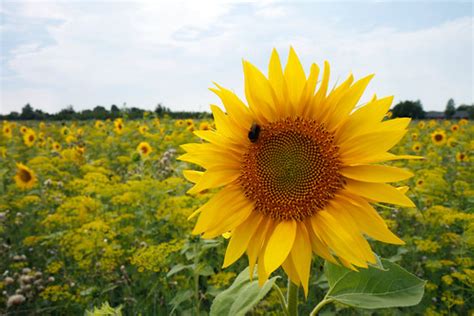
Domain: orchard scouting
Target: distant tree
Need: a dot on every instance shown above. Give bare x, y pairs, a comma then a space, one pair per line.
27, 112
468, 108
161, 110
413, 109
114, 111
100, 113
450, 109
66, 114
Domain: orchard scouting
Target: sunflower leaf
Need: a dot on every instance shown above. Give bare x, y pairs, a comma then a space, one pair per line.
374, 288
241, 296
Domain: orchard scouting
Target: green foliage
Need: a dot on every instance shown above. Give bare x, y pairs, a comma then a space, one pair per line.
241, 296
450, 109
373, 287
412, 109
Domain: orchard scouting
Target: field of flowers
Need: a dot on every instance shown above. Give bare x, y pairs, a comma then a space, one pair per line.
95, 214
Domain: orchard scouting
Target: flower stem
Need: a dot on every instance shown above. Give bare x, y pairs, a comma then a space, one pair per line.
320, 305
292, 298
282, 299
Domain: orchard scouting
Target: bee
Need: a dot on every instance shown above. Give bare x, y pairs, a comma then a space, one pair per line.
254, 132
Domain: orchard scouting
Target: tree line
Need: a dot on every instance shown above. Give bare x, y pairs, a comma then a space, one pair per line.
99, 113
413, 109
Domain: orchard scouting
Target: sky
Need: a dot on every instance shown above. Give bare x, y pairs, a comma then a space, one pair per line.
141, 53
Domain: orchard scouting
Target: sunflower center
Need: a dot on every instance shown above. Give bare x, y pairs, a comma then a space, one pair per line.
292, 169
24, 175
438, 137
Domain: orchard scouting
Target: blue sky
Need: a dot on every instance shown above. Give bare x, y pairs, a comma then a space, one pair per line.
88, 53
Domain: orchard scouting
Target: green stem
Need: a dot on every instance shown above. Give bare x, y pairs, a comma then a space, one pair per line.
292, 298
320, 305
282, 299
196, 281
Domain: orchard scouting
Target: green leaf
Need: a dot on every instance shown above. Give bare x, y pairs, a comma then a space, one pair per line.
180, 297
241, 296
374, 288
178, 268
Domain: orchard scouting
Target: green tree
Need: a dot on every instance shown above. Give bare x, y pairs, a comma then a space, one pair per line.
413, 109
450, 108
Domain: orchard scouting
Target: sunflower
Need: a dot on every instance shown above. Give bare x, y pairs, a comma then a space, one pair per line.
179, 123
438, 137
99, 124
42, 125
65, 131
452, 142
414, 136
454, 128
416, 147
144, 149
204, 126
432, 123
25, 178
297, 171
143, 129
462, 157
463, 122
118, 124
7, 131
23, 129
56, 146
421, 124
29, 137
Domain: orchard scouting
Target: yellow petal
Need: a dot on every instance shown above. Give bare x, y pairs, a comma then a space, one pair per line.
256, 243
226, 126
368, 145
260, 95
386, 157
236, 109
221, 205
378, 192
317, 102
374, 173
347, 102
330, 231
220, 140
238, 214
301, 256
363, 120
240, 239
370, 222
278, 83
290, 270
192, 175
304, 105
347, 223
295, 79
279, 245
318, 246
333, 98
214, 178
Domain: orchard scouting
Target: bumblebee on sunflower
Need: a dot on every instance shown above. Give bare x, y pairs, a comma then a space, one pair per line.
298, 170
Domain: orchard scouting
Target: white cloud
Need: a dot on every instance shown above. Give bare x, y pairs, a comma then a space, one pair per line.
148, 52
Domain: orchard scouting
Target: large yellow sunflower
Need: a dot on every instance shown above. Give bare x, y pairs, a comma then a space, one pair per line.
298, 171
25, 178
29, 137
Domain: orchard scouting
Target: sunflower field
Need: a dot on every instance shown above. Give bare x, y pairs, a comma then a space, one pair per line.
94, 220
